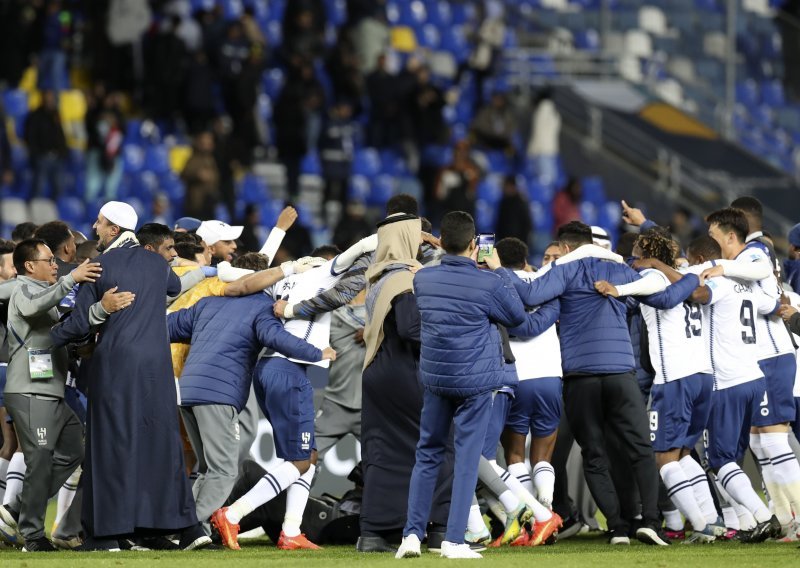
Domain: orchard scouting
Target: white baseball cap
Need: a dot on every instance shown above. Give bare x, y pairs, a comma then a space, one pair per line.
214, 231
120, 213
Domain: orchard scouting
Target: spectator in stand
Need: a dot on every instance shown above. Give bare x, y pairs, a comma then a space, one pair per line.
456, 183
201, 176
166, 60
513, 214
251, 223
346, 78
233, 52
252, 30
566, 203
336, 145
495, 124
56, 23
353, 226
385, 120
161, 210
105, 129
370, 34
426, 111
543, 143
303, 30
47, 146
488, 41
242, 104
6, 171
225, 153
198, 107
23, 231
296, 110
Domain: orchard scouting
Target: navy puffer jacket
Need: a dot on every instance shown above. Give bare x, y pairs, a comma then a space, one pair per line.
226, 335
460, 305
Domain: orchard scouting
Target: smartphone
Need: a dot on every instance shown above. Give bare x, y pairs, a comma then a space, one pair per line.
485, 244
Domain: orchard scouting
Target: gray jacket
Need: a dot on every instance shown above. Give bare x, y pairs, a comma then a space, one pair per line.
32, 311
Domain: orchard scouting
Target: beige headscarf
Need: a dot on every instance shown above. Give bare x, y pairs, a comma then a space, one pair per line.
389, 276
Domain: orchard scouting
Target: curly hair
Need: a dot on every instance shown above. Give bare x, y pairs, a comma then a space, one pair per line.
657, 243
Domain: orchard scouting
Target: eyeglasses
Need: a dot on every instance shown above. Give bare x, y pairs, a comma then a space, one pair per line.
51, 260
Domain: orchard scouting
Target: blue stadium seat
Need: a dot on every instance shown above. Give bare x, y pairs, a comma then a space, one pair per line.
499, 163
542, 217
221, 213
156, 159
439, 13
232, 9
311, 164
15, 102
270, 210
429, 37
747, 93
437, 156
172, 185
587, 39
490, 189
593, 191
381, 191
358, 189
453, 40
588, 213
71, 210
132, 158
273, 32
772, 93
264, 108
484, 217
609, 215
336, 11
272, 81
254, 189
367, 162
392, 163
763, 115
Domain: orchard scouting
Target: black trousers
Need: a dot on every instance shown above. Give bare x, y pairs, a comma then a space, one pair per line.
595, 403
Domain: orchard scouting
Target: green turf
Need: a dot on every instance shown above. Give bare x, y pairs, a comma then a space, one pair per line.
583, 551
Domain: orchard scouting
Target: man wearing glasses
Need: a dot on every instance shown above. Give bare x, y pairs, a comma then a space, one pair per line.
50, 434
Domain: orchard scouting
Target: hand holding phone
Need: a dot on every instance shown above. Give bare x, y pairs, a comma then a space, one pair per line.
485, 244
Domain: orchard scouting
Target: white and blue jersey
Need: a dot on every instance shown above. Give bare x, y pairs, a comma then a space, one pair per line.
299, 287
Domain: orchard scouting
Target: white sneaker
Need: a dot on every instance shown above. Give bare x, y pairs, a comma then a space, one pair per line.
409, 548
460, 551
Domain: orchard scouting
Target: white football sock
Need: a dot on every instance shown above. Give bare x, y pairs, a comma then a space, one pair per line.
67, 493
680, 492
785, 467
673, 520
540, 512
475, 522
544, 479
270, 485
3, 471
702, 490
523, 475
296, 499
777, 498
14, 477
738, 486
730, 518
744, 519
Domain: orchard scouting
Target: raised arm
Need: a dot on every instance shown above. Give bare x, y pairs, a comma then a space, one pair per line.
30, 303
344, 261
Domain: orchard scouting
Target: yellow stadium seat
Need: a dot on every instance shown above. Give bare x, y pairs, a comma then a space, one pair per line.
178, 156
28, 81
403, 39
72, 106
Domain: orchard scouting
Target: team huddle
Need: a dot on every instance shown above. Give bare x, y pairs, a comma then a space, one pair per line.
156, 356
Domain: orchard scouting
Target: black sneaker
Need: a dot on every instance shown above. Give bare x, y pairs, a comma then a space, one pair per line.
40, 544
768, 529
619, 537
650, 534
194, 538
572, 526
155, 543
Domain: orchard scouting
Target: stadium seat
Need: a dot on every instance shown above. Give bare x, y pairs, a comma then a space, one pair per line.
156, 159
13, 211
359, 189
593, 191
484, 217
254, 189
132, 158
311, 164
772, 93
490, 189
367, 162
272, 81
653, 20
588, 213
381, 190
42, 210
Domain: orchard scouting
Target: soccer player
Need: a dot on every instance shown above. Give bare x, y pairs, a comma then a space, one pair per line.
681, 393
769, 438
739, 398
286, 399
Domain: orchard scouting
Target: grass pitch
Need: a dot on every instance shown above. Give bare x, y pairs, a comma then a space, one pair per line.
582, 551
